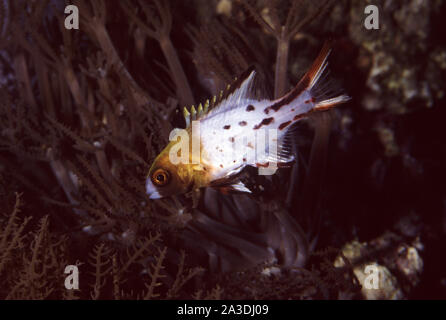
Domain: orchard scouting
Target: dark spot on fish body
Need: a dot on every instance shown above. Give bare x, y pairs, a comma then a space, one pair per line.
297, 91
250, 108
264, 122
226, 127
231, 139
303, 115
244, 159
313, 100
221, 166
267, 121
299, 116
284, 125
242, 123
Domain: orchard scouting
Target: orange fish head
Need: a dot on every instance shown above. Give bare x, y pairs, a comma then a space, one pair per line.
167, 179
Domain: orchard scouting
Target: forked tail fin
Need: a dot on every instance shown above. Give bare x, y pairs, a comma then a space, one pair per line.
325, 92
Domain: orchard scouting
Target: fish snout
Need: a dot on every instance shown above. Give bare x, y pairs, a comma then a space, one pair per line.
151, 190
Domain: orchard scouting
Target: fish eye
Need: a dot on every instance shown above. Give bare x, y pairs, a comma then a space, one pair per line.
160, 177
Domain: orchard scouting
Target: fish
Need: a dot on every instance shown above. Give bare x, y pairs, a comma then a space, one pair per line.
224, 135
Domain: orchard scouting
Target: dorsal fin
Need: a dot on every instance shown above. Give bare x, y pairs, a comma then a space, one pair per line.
241, 85
239, 89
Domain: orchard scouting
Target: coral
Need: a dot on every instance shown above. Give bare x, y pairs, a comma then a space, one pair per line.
397, 270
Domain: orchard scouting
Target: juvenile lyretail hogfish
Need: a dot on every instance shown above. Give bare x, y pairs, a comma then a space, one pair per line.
230, 129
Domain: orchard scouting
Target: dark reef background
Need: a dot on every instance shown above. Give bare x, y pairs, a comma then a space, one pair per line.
84, 112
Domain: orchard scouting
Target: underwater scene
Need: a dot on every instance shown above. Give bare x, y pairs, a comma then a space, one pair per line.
222, 149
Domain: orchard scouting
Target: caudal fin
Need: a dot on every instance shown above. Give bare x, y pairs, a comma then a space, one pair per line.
325, 92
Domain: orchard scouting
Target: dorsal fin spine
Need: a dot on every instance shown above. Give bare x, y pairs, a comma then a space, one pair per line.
193, 113
206, 106
203, 109
186, 114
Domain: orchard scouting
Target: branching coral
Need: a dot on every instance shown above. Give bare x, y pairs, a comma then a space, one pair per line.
38, 268
41, 256
299, 14
11, 236
158, 26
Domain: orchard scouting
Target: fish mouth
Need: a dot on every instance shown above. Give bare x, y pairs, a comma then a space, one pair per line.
151, 190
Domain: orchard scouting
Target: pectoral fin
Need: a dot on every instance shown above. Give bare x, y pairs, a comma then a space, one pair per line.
235, 187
